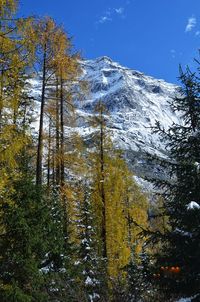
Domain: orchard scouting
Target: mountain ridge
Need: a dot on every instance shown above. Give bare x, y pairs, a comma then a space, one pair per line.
135, 102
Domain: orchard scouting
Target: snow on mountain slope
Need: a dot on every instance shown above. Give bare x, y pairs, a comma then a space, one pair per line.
135, 101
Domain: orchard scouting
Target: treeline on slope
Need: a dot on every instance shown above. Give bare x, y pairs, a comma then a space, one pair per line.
69, 217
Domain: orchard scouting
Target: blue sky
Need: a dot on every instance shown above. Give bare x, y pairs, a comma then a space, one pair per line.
152, 36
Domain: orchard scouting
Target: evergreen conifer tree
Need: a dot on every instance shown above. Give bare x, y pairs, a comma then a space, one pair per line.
88, 260
179, 257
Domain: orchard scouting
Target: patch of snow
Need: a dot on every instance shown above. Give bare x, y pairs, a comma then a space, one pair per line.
193, 205
197, 165
189, 299
88, 281
93, 297
183, 233
84, 240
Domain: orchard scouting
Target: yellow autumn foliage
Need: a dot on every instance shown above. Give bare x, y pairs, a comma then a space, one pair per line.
7, 7
119, 205
125, 204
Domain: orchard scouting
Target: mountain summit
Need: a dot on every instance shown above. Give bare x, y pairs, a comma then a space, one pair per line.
135, 101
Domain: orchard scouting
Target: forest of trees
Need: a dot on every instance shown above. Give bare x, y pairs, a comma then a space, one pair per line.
74, 225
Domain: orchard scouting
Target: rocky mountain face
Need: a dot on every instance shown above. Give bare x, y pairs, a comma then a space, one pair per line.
135, 101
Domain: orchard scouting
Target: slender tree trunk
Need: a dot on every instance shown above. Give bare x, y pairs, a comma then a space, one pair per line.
49, 156
53, 168
2, 85
129, 221
104, 241
14, 116
1, 97
62, 166
24, 118
40, 138
57, 136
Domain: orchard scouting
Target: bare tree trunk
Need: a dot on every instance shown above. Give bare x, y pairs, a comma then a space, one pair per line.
49, 155
104, 252
2, 85
1, 97
62, 166
40, 138
57, 136
129, 221
53, 168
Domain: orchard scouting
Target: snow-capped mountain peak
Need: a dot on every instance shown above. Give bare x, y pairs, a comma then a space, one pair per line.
135, 101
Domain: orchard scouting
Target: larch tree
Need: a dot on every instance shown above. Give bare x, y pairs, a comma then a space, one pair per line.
20, 207
117, 200
15, 58
67, 72
43, 35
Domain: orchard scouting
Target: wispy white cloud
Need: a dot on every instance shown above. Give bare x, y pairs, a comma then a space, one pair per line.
104, 19
191, 23
129, 2
173, 53
197, 33
119, 10
110, 14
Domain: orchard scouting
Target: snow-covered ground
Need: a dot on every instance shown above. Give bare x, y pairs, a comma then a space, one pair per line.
190, 299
